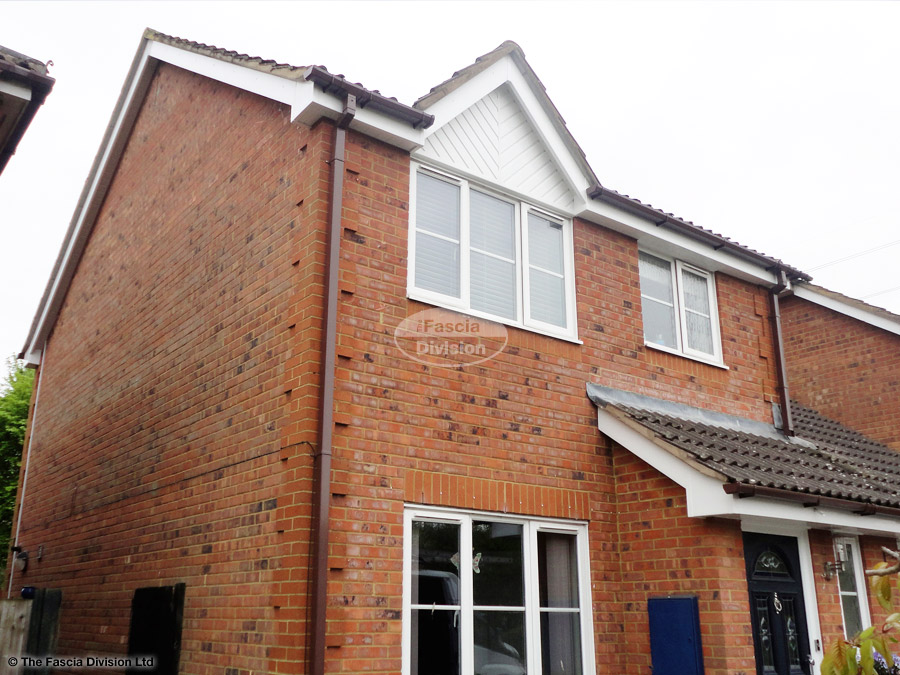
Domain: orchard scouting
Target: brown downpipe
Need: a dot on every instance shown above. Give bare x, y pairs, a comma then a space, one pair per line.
322, 465
787, 420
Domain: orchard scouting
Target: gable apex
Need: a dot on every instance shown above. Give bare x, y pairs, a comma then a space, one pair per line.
494, 122
494, 140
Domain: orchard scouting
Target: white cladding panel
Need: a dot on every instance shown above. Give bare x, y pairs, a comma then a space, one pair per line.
495, 140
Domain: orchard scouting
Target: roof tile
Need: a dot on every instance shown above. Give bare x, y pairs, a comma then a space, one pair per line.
828, 459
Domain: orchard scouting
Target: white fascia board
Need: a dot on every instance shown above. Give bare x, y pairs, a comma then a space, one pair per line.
91, 198
706, 498
666, 463
308, 103
265, 84
667, 241
505, 71
846, 309
16, 90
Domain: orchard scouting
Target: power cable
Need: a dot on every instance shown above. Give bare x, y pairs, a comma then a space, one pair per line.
852, 256
887, 290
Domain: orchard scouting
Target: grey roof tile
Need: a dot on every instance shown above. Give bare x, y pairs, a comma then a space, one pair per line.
827, 460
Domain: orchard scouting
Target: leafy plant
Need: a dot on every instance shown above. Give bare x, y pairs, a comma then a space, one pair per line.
15, 397
871, 651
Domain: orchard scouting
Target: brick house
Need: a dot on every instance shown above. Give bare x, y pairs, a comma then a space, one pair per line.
843, 359
24, 86
329, 383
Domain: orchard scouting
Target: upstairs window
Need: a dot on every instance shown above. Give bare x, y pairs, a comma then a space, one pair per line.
679, 304
490, 255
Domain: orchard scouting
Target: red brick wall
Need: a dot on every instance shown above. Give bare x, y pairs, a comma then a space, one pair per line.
831, 621
663, 552
870, 548
157, 445
515, 433
174, 440
827, 591
844, 368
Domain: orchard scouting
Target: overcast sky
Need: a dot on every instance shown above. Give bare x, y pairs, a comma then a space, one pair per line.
776, 124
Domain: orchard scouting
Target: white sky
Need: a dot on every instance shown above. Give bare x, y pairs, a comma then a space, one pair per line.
775, 124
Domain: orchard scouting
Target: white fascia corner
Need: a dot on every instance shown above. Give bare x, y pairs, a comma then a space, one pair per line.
706, 497
308, 103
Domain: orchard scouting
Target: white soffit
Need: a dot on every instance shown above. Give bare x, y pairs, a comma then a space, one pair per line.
847, 309
706, 498
494, 129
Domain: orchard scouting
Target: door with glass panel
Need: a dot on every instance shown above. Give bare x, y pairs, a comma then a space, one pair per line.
777, 612
493, 597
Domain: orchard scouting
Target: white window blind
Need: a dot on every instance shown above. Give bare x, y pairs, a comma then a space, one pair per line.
437, 236
491, 255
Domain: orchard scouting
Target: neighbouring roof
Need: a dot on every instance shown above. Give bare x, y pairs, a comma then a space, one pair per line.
826, 464
853, 302
24, 84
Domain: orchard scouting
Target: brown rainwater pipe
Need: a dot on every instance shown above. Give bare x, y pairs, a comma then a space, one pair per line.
787, 420
322, 464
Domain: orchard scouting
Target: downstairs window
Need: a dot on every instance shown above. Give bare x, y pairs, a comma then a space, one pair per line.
494, 595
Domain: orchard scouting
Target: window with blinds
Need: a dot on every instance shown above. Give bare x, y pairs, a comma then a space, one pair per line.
490, 255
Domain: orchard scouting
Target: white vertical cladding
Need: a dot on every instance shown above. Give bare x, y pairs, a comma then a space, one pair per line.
493, 140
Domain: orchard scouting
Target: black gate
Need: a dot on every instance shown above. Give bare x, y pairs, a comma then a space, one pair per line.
156, 618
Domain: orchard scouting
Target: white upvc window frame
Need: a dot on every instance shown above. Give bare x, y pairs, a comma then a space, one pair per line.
677, 269
523, 208
859, 579
531, 528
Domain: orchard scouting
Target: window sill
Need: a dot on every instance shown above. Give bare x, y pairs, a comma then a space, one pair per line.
691, 357
413, 295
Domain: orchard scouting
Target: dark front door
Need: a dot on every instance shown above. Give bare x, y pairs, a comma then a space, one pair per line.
777, 612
